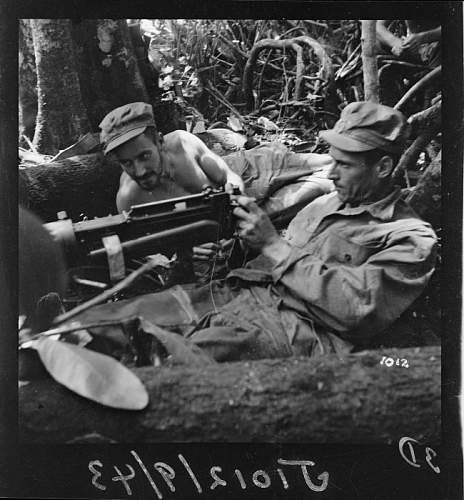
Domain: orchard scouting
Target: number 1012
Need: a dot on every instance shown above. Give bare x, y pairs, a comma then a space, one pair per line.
390, 362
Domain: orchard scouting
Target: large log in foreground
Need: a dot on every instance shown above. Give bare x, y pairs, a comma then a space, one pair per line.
351, 400
85, 184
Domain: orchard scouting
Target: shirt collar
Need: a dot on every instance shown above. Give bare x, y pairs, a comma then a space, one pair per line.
382, 209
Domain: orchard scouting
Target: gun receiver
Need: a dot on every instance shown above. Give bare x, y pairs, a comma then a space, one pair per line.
158, 227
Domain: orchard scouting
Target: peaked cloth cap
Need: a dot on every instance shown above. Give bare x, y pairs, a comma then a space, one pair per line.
364, 126
125, 123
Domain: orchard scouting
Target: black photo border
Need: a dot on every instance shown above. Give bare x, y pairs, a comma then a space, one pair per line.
356, 471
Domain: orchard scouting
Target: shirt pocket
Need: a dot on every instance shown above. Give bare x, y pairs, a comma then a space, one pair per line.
300, 232
299, 240
339, 248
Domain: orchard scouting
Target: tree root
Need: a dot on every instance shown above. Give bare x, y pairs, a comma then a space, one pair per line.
299, 70
426, 124
326, 70
424, 120
410, 156
425, 80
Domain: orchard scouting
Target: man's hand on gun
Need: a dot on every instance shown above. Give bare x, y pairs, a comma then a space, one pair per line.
220, 249
254, 228
254, 225
211, 250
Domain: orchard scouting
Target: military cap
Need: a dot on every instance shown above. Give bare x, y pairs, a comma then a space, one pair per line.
125, 123
364, 126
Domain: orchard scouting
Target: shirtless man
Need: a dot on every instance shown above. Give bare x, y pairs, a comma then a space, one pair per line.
155, 167
178, 164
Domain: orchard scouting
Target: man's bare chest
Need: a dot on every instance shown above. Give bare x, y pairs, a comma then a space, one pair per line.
163, 192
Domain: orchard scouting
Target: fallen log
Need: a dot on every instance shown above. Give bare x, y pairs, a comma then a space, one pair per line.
85, 184
355, 399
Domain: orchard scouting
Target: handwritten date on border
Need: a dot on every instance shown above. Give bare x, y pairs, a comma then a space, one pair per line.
164, 472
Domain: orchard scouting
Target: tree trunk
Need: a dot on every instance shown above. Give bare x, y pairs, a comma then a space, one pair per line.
326, 399
61, 116
368, 50
27, 90
149, 75
108, 71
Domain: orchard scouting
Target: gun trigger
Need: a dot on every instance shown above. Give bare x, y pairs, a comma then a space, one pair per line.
206, 189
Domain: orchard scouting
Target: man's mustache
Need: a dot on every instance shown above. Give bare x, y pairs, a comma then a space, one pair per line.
144, 176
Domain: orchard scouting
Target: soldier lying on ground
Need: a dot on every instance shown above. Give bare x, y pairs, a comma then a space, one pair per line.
157, 168
351, 263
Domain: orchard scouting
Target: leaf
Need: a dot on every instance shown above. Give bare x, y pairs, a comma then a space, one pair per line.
186, 70
79, 337
267, 124
199, 127
167, 69
21, 320
159, 259
91, 438
234, 123
92, 375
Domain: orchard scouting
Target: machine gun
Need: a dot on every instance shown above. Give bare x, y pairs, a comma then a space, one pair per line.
158, 227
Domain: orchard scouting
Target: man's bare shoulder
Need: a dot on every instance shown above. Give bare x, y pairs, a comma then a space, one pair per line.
124, 181
180, 140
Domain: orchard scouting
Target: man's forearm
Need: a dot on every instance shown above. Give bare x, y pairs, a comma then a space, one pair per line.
235, 180
385, 36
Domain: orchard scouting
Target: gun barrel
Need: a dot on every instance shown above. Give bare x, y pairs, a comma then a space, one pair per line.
193, 233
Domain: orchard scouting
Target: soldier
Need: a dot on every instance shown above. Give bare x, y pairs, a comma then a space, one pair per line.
351, 263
